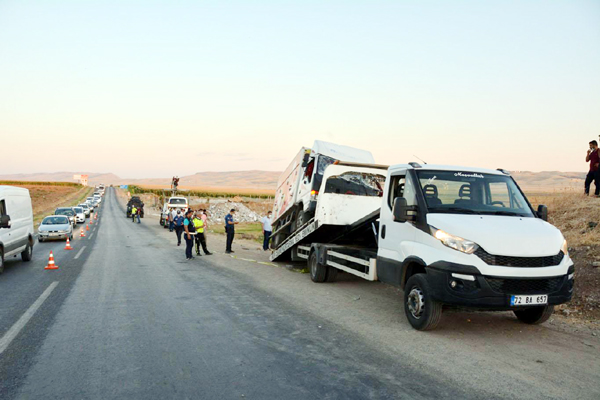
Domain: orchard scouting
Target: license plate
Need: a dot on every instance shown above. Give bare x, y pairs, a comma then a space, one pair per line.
53, 234
529, 300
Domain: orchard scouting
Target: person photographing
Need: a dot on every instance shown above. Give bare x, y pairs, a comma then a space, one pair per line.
593, 157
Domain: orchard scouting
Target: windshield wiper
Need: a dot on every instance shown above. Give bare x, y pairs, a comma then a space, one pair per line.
454, 209
509, 213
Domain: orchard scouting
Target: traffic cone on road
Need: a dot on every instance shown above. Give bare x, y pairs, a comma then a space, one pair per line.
96, 216
91, 221
51, 264
68, 246
82, 233
87, 227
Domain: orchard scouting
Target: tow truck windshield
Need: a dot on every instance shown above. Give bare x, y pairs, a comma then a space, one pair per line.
459, 192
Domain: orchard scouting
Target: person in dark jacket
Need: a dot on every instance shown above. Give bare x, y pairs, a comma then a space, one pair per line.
178, 222
189, 234
230, 230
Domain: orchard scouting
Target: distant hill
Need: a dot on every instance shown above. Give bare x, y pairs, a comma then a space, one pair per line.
529, 181
549, 180
231, 179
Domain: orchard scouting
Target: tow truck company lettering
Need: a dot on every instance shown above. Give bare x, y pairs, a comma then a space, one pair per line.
469, 175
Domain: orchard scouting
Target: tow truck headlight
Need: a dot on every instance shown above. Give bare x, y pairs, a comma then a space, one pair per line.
565, 248
454, 242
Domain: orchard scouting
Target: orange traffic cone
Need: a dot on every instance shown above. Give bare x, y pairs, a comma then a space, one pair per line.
91, 221
51, 264
68, 246
87, 227
82, 233
96, 216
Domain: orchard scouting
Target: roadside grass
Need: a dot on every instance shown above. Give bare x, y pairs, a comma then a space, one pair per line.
202, 192
578, 218
244, 230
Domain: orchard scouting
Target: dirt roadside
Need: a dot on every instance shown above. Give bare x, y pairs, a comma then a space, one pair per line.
492, 353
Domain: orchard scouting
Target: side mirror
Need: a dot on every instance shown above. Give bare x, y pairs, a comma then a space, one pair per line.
305, 159
5, 221
403, 212
542, 212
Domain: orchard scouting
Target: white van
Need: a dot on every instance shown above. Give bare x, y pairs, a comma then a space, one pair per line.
16, 224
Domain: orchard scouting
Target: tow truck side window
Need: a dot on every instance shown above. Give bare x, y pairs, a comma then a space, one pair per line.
401, 187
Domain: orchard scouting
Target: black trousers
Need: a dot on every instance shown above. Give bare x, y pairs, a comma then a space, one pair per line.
230, 235
178, 232
266, 239
592, 176
201, 241
189, 245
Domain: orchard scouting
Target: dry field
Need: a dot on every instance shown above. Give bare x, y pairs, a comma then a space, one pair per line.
578, 217
215, 191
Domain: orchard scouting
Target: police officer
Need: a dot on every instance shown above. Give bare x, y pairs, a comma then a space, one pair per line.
230, 230
200, 239
178, 222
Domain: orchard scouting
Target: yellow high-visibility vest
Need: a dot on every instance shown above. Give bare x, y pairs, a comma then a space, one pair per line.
198, 224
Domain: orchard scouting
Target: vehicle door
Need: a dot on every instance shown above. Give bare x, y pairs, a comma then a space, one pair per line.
396, 239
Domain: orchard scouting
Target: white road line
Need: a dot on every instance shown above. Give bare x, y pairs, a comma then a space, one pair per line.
79, 253
91, 236
20, 324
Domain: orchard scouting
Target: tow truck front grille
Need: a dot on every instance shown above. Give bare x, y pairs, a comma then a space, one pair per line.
519, 262
525, 286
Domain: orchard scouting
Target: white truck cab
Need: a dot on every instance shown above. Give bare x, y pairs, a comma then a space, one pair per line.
16, 224
454, 236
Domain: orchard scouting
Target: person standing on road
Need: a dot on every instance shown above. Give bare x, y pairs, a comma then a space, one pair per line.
200, 239
267, 230
172, 215
593, 157
230, 230
204, 217
190, 232
138, 213
133, 212
178, 222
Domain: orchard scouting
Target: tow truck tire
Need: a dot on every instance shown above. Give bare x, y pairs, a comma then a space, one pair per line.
318, 272
27, 253
332, 274
1, 261
423, 313
534, 315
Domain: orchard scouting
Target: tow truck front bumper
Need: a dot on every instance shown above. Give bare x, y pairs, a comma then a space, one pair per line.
491, 292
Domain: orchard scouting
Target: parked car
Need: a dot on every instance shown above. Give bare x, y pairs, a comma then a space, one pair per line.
69, 212
55, 227
16, 224
91, 201
86, 209
79, 215
98, 198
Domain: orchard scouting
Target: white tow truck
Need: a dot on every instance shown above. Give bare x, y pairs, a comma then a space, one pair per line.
446, 235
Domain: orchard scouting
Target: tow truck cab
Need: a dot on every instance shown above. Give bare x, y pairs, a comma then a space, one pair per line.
469, 237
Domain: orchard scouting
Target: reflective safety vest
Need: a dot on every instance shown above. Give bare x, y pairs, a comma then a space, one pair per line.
198, 224
134, 210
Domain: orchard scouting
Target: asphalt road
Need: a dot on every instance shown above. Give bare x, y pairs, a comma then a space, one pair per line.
130, 318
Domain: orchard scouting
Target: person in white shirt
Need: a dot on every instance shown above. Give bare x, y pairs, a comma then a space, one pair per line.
267, 230
171, 219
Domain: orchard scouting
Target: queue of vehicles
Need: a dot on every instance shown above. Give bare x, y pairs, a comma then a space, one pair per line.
447, 236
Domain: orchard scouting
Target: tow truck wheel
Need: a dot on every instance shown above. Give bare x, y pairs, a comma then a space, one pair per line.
331, 274
535, 315
318, 272
423, 313
1, 261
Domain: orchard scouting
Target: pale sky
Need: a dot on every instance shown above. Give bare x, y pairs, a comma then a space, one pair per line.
161, 88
